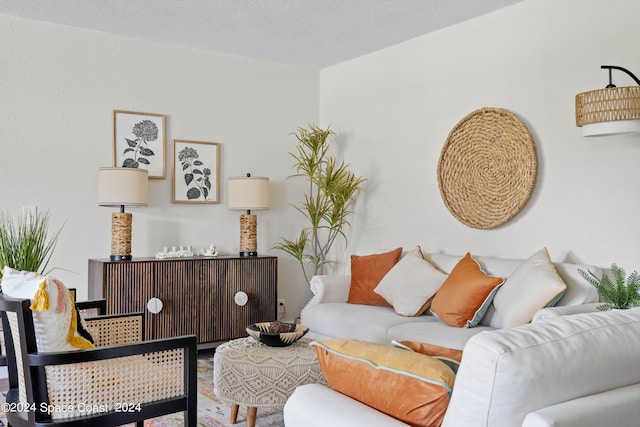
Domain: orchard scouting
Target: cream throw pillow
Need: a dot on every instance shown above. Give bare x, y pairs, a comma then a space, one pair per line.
55, 318
535, 284
410, 284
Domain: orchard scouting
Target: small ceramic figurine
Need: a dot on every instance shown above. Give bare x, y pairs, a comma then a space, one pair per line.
211, 251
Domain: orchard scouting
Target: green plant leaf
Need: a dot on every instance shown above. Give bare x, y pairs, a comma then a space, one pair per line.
25, 243
327, 204
622, 293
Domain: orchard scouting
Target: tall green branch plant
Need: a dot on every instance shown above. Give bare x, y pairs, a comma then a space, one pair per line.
327, 204
25, 243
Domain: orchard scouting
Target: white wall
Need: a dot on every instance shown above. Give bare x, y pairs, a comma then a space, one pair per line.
394, 110
58, 87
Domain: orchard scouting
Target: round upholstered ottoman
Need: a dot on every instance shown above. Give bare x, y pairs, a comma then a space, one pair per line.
246, 372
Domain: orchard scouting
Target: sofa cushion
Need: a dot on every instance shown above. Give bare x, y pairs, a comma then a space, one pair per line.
408, 386
435, 332
410, 284
579, 291
365, 322
465, 295
506, 374
56, 321
535, 284
366, 273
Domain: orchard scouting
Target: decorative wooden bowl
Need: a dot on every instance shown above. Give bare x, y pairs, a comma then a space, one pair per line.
277, 334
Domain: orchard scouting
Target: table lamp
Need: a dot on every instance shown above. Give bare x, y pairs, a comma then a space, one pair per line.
248, 193
122, 187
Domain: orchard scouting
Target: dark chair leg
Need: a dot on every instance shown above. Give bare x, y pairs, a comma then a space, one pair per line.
190, 417
140, 423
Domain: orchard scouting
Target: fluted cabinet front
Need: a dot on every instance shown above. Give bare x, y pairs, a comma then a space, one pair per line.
189, 295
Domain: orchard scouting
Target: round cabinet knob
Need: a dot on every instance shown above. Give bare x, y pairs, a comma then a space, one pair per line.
154, 305
241, 298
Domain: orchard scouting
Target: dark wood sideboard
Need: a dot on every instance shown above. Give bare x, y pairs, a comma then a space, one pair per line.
197, 293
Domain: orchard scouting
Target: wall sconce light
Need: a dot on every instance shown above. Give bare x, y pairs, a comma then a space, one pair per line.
122, 187
610, 111
248, 193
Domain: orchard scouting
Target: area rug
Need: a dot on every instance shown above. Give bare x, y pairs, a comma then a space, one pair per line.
211, 411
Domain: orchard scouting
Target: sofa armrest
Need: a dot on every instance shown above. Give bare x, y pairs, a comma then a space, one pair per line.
617, 407
330, 288
551, 312
315, 405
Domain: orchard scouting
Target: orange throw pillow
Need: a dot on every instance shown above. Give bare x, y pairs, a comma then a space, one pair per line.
430, 349
450, 356
366, 272
465, 295
408, 386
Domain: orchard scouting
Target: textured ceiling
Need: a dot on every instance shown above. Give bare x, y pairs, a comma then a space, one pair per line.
309, 33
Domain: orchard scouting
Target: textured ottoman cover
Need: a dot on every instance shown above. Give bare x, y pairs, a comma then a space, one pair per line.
249, 373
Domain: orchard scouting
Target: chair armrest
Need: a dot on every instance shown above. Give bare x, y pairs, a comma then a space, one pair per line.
98, 307
551, 312
187, 342
115, 329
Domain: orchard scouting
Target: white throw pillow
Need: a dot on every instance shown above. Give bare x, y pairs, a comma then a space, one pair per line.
55, 319
535, 284
410, 284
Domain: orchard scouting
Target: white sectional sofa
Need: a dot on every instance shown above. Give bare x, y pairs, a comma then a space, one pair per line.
328, 315
563, 371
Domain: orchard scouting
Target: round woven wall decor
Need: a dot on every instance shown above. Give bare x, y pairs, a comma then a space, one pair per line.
487, 168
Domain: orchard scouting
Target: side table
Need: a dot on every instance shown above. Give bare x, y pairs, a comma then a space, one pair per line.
246, 372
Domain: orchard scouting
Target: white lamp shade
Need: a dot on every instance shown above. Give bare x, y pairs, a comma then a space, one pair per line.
248, 192
621, 127
123, 187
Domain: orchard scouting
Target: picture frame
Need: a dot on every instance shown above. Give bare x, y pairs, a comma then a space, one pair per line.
196, 172
139, 141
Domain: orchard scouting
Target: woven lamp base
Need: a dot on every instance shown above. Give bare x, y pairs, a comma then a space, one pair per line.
121, 236
248, 235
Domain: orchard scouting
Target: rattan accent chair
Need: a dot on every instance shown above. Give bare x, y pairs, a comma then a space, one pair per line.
123, 380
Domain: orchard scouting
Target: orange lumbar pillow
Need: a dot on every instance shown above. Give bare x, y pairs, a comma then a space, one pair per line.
451, 356
408, 386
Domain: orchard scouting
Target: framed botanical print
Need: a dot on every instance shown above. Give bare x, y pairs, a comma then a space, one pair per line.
139, 141
196, 172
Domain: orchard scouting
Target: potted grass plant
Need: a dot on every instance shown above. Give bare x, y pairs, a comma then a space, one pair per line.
26, 243
622, 293
327, 205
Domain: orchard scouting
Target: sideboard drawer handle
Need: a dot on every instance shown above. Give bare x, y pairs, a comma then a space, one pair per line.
154, 305
241, 298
